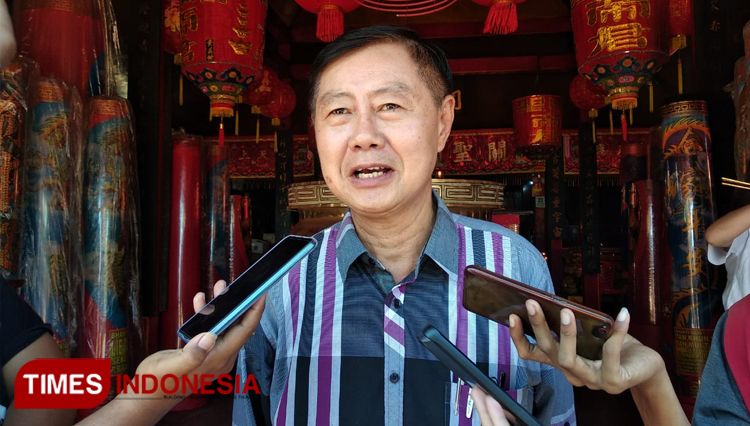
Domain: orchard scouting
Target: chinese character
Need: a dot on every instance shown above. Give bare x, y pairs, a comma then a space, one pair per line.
619, 37
497, 150
190, 18
461, 151
715, 25
616, 9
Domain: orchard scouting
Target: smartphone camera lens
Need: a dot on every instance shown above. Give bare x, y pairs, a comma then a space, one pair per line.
601, 331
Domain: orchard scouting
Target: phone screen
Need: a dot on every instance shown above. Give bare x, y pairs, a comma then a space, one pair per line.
223, 310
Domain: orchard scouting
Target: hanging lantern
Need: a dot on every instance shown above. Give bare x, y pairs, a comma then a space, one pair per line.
261, 95
222, 48
680, 23
281, 105
171, 29
589, 97
537, 120
619, 45
330, 16
502, 18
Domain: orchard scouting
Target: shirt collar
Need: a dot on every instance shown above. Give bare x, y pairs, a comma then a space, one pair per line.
442, 246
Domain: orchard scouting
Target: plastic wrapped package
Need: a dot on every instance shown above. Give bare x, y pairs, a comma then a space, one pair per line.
110, 235
216, 208
50, 239
14, 82
65, 37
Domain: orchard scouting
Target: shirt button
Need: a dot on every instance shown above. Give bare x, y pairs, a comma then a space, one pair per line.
394, 378
396, 303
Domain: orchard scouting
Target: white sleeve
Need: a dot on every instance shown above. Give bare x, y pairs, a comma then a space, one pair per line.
718, 255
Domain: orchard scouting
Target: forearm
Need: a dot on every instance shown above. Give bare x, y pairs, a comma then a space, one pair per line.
51, 417
722, 232
657, 402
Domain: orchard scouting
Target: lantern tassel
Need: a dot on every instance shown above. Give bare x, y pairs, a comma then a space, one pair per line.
650, 96
593, 130
180, 89
257, 129
237, 120
631, 116
275, 143
330, 23
221, 133
679, 74
624, 125
502, 18
611, 123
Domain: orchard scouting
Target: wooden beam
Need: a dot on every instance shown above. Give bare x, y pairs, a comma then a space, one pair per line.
457, 29
487, 66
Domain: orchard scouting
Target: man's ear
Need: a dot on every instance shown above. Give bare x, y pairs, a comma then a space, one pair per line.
447, 114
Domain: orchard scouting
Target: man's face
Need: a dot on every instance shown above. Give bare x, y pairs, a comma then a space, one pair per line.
378, 129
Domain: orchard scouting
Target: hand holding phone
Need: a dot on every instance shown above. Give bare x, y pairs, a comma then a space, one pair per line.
496, 297
228, 306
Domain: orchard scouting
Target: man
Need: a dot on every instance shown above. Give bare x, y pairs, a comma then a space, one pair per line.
338, 341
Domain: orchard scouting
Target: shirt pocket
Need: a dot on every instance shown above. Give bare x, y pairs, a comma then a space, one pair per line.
455, 409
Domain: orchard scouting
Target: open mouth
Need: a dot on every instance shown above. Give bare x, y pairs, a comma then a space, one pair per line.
371, 172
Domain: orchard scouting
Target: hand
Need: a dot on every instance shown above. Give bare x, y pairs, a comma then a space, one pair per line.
625, 361
205, 353
490, 411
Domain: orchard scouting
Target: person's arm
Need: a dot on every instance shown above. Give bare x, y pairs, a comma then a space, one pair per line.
204, 354
722, 232
42, 347
7, 39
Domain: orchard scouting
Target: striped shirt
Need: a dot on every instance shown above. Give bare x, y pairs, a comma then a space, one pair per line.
338, 343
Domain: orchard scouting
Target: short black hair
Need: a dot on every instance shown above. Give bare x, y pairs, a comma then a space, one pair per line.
431, 60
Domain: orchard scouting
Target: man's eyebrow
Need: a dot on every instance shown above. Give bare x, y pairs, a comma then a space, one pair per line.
389, 88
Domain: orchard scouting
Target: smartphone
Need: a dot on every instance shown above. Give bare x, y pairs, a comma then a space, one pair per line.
460, 364
495, 296
227, 307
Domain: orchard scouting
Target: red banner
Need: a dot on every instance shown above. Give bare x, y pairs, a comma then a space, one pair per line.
467, 152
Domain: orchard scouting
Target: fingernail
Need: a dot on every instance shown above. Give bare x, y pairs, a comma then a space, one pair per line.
511, 321
622, 315
564, 318
207, 342
530, 307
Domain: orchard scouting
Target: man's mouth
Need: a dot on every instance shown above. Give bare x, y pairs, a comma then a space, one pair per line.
371, 172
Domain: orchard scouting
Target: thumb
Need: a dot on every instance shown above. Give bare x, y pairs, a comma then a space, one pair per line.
196, 350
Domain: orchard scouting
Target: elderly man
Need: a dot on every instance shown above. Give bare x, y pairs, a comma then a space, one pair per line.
338, 341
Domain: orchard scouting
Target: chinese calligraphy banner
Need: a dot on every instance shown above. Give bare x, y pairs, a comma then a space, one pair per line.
467, 152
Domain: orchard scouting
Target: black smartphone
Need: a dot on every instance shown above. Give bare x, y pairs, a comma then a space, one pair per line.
460, 364
495, 296
224, 309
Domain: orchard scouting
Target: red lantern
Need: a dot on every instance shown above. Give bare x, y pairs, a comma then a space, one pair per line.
680, 23
263, 91
620, 45
502, 18
171, 28
282, 103
222, 48
589, 97
330, 16
537, 120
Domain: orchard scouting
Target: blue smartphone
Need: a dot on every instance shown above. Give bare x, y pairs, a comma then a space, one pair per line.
224, 309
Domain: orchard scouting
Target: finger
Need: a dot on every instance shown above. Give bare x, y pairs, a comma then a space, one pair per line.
199, 301
487, 409
219, 287
197, 349
611, 352
566, 353
526, 349
542, 333
240, 332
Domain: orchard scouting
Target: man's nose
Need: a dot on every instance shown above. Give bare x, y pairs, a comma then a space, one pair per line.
366, 133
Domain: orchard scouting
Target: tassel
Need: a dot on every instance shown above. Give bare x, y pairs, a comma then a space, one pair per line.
330, 23
593, 130
502, 18
624, 125
180, 89
650, 96
679, 74
237, 120
611, 123
631, 116
221, 133
257, 129
275, 143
